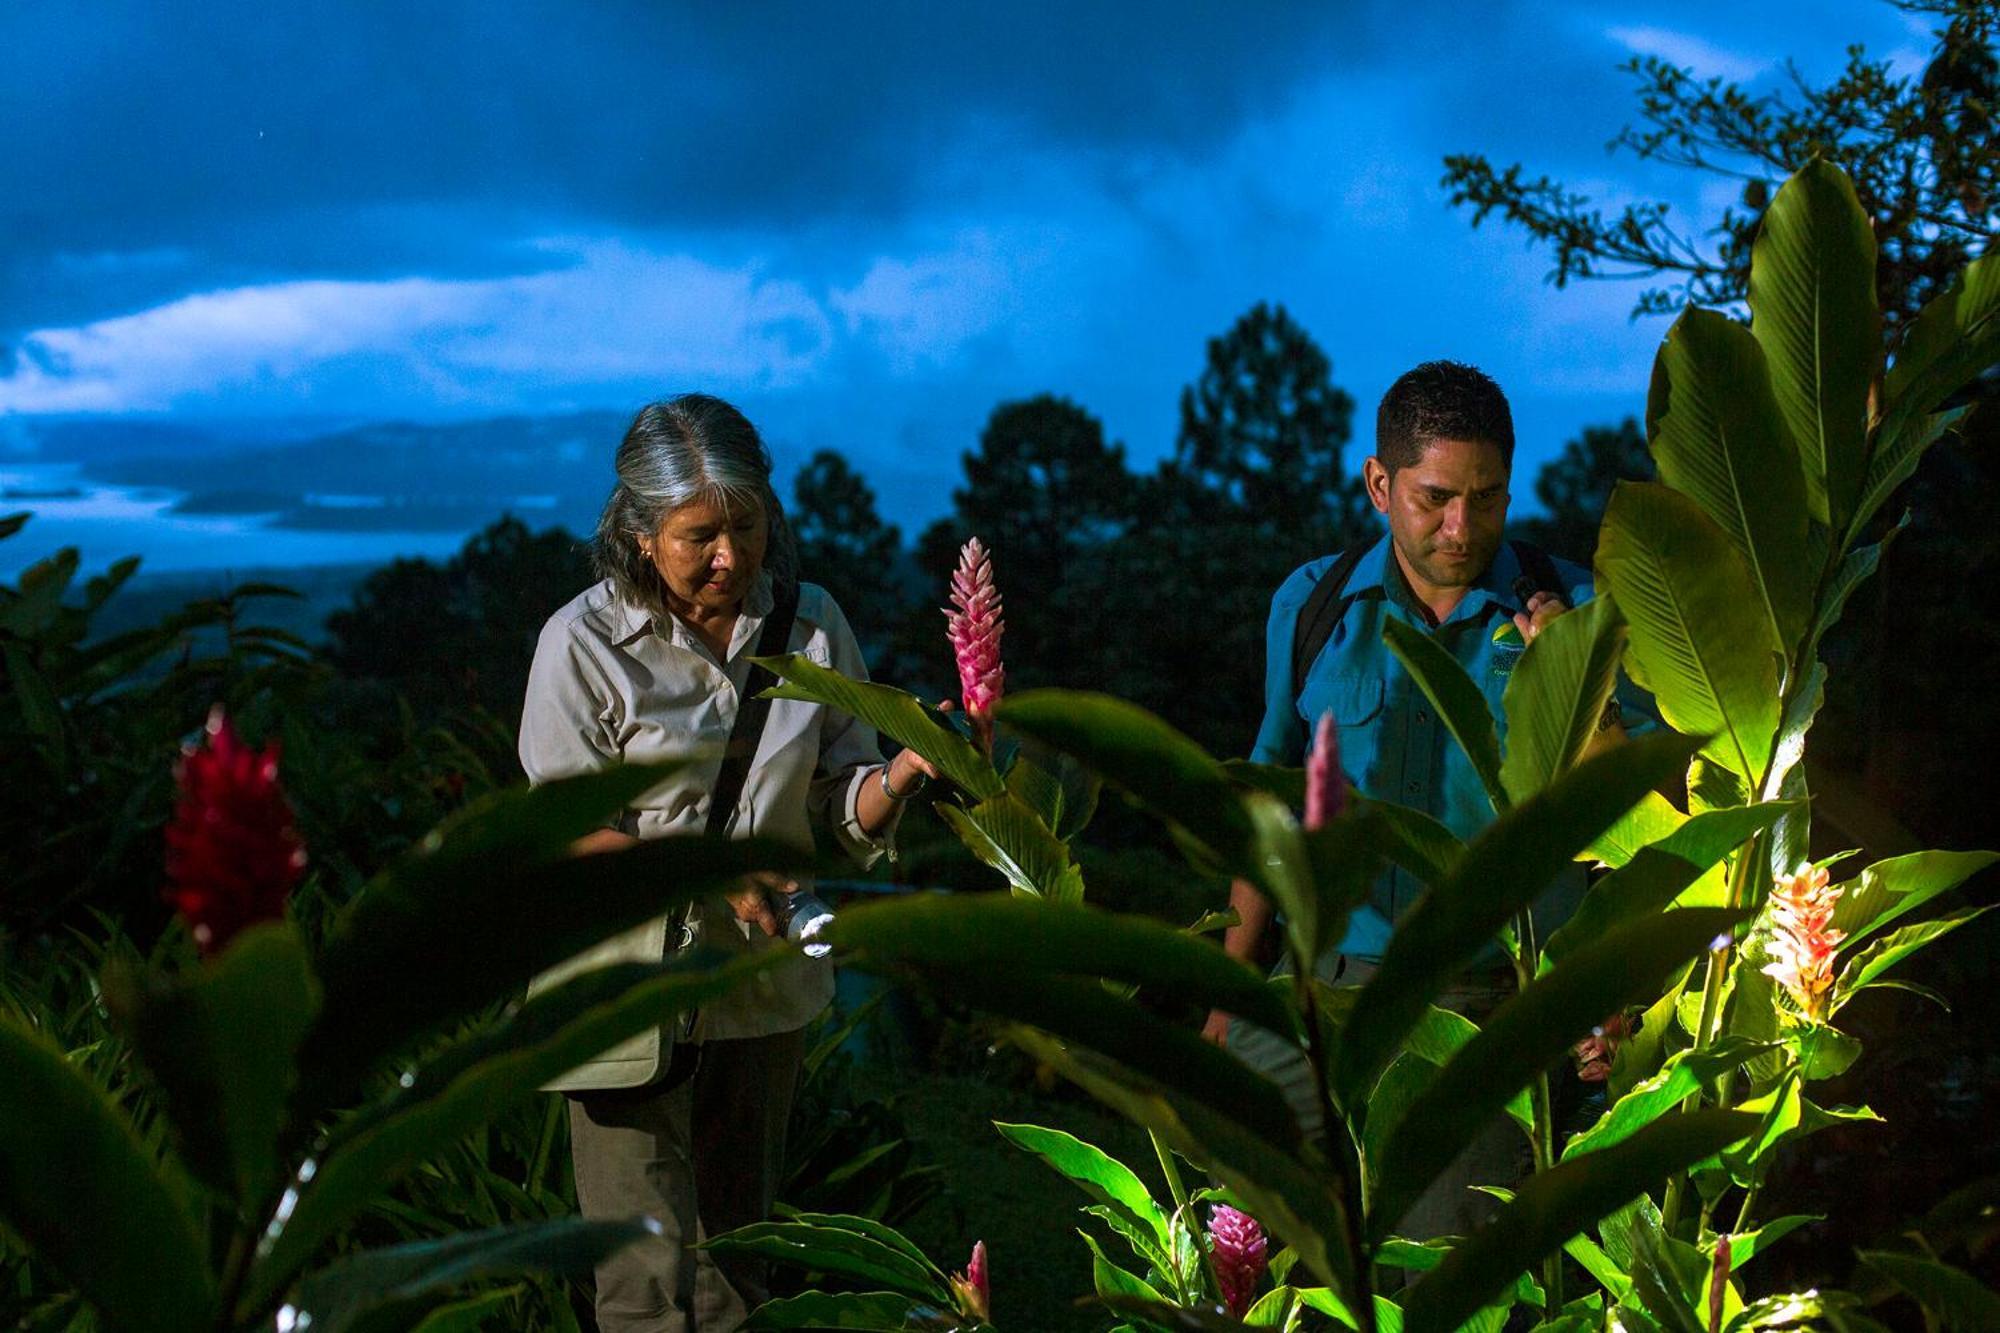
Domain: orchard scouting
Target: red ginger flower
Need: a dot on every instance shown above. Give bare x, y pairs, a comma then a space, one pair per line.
232, 854
1326, 785
1803, 939
969, 1287
975, 629
1240, 1260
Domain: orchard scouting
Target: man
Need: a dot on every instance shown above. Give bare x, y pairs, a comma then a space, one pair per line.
1444, 442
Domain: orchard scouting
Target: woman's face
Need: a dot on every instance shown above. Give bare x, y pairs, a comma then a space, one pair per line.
708, 552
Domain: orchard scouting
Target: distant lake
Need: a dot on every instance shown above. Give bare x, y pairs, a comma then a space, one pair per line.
108, 522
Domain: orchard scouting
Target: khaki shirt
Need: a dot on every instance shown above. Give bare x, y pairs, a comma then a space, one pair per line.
609, 684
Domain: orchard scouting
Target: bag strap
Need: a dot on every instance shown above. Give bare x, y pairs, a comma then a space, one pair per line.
752, 710
1322, 611
1538, 569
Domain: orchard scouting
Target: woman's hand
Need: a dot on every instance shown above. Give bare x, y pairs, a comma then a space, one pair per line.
751, 899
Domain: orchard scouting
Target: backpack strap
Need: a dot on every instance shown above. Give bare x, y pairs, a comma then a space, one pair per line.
751, 710
1322, 611
1538, 569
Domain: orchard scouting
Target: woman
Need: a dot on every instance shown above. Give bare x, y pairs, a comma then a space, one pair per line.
650, 663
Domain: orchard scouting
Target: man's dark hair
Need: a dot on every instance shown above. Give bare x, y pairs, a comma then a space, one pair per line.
1441, 400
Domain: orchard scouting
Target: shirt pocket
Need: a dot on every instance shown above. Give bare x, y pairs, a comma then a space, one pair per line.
1354, 700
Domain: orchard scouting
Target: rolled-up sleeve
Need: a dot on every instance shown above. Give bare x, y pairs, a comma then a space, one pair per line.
849, 755
568, 716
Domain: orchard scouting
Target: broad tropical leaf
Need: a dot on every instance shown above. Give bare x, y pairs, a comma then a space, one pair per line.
1004, 833
895, 713
1720, 440
78, 1188
1813, 310
1500, 873
1104, 1178
1560, 1203
836, 1250
1889, 889
1684, 1073
1557, 695
1524, 1037
1459, 703
1896, 457
1699, 640
341, 1297
1416, 841
882, 1311
1646, 823
221, 1043
1056, 787
1961, 1301
979, 934
1899, 944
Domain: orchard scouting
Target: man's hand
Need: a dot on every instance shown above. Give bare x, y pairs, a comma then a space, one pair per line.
1542, 608
751, 899
1216, 1030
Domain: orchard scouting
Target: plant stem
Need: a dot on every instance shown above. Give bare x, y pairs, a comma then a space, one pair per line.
1749, 1202
1347, 1175
1528, 962
1184, 1210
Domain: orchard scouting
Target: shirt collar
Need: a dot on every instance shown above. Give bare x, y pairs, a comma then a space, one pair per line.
1495, 587
628, 620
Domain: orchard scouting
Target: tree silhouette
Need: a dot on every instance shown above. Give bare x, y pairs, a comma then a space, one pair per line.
1575, 486
846, 548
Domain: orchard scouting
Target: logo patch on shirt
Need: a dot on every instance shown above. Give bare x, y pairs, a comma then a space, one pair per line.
817, 653
1505, 655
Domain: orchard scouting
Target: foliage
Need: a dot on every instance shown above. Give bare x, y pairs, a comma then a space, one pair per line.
1575, 485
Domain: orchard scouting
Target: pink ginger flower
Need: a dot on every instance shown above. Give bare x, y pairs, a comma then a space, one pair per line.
975, 629
969, 1287
1803, 939
1326, 785
232, 853
1240, 1259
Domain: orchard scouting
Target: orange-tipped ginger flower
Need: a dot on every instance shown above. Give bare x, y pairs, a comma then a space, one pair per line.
1240, 1255
1326, 785
969, 1288
1803, 939
232, 853
975, 628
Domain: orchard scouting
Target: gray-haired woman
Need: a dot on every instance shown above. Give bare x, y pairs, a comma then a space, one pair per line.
653, 662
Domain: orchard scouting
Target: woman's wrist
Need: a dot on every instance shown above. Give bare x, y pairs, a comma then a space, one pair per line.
911, 783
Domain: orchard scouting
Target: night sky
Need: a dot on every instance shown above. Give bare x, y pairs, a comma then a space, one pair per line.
865, 225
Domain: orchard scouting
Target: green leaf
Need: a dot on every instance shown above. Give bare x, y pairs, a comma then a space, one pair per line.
1159, 1314
1856, 567
895, 713
1599, 1265
13, 523
1388, 1315
1294, 1199
1081, 1010
1109, 1181
1659, 873
1273, 1309
1960, 1300
1833, 1311
1720, 440
1109, 1280
1900, 444
1557, 1204
1417, 842
1952, 341
1439, 1035
882, 1311
1459, 703
1500, 873
1699, 639
1897, 945
81, 1192
1143, 756
1747, 1245
1556, 696
222, 1044
339, 1297
1889, 889
41, 711
1056, 787
1008, 836
39, 594
468, 1086
980, 934
1670, 1278
1422, 1256
1812, 305
1523, 1037
1646, 823
866, 1226
1827, 1052
1683, 1074
470, 918
835, 1250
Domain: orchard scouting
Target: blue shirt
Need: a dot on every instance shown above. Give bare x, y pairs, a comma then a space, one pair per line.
1392, 745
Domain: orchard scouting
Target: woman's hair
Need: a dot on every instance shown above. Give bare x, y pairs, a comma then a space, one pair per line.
693, 447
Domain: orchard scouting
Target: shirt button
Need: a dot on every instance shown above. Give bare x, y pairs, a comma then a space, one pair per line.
1422, 716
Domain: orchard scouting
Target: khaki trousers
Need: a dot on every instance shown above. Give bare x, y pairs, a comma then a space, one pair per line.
1497, 1155
702, 1156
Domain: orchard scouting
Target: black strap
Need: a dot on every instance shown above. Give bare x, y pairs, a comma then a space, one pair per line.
1322, 611
1326, 605
751, 710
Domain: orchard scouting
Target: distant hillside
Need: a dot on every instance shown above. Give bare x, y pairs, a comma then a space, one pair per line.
409, 477
322, 589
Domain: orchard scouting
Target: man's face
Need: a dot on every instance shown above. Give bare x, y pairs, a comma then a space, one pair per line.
1445, 511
